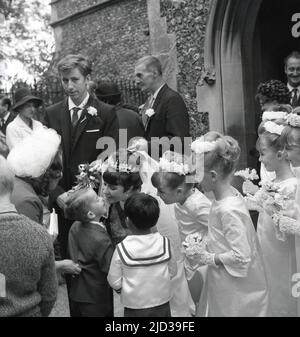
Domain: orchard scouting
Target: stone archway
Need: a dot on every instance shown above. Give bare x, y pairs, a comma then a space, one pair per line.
226, 90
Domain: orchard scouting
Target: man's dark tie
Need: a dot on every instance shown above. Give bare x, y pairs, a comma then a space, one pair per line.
295, 98
2, 122
75, 116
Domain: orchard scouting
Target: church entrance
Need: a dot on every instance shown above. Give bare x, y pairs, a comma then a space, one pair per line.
246, 43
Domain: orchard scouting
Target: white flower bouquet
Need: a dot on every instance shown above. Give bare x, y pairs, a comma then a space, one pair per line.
194, 244
249, 188
89, 174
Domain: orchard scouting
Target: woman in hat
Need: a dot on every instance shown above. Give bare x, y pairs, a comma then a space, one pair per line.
36, 162
24, 124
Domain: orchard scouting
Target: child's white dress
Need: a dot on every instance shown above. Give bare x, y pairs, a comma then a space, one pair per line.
192, 217
239, 288
280, 261
181, 303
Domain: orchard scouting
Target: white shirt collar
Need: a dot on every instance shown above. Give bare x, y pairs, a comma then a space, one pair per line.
81, 105
8, 208
292, 88
6, 117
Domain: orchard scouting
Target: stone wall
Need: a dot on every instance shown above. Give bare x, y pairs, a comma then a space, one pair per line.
116, 34
187, 19
113, 36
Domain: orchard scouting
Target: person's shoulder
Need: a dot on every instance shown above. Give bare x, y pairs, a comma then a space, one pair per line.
56, 106
35, 230
101, 106
169, 92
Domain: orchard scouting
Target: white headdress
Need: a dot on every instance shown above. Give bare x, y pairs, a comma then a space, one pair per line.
293, 120
200, 146
34, 154
274, 128
273, 115
174, 162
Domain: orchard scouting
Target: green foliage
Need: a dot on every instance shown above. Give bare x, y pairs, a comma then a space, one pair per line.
26, 34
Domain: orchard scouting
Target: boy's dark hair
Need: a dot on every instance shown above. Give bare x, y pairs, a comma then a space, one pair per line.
142, 210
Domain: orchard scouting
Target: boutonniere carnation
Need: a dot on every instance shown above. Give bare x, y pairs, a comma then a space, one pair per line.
149, 112
92, 111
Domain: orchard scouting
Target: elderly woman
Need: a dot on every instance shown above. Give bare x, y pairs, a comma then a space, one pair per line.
36, 161
28, 284
25, 123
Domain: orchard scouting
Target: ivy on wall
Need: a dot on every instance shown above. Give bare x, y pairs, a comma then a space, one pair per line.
188, 19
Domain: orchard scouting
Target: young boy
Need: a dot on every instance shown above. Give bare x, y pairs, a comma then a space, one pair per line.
89, 246
141, 266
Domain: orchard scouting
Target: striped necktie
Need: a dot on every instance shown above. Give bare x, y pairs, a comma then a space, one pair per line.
295, 97
75, 116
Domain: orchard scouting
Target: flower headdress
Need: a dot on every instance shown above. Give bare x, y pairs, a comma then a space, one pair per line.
123, 161
293, 120
200, 146
273, 115
274, 128
174, 162
171, 166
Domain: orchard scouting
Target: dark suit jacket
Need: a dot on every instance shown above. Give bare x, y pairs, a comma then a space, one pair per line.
79, 144
91, 247
131, 121
171, 118
10, 118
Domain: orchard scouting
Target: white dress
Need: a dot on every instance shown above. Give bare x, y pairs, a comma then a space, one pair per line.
280, 261
17, 130
192, 217
181, 303
239, 287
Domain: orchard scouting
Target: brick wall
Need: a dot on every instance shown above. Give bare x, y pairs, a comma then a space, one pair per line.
114, 36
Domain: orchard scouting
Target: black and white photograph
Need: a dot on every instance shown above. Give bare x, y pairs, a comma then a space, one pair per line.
149, 161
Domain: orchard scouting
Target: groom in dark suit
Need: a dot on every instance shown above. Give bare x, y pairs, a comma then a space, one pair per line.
81, 120
164, 114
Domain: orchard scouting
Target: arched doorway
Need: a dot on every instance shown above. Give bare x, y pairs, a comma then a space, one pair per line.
246, 42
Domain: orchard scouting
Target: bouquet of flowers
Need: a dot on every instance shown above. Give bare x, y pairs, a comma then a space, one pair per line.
248, 175
89, 174
194, 244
